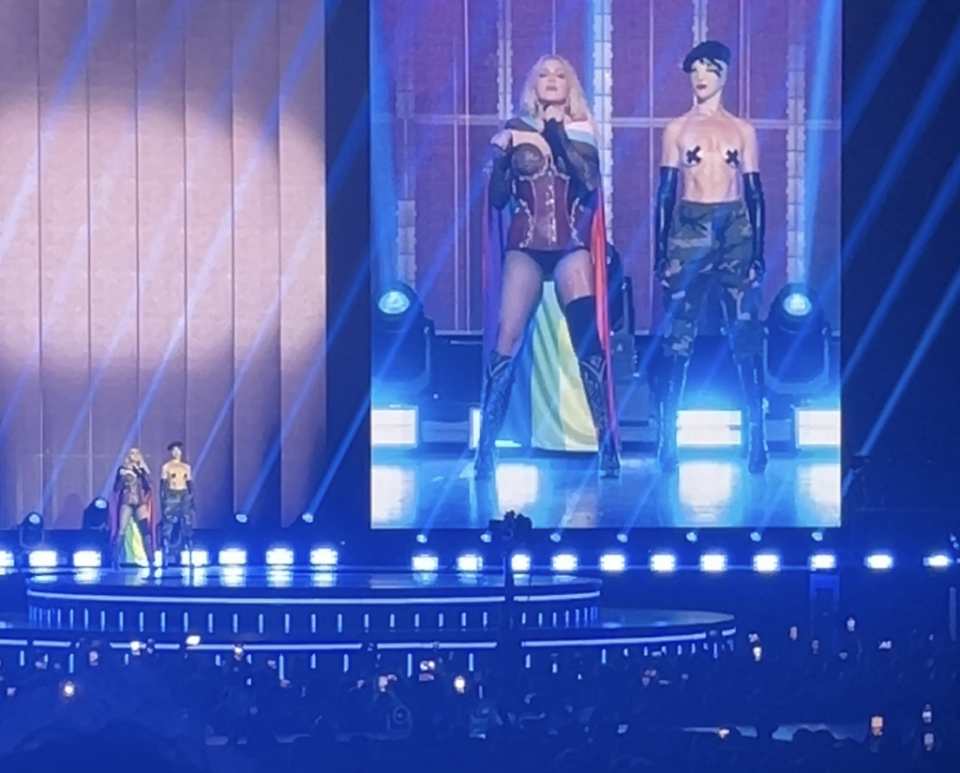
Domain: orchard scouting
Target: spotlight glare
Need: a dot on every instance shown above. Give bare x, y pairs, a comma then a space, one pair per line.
556, 536
613, 562
622, 537
86, 559
279, 557
7, 559
42, 559
938, 561
307, 517
564, 562
425, 563
663, 563
193, 640
325, 557
100, 503
232, 557
797, 305
469, 563
766, 563
691, 536
817, 536
880, 561
422, 538
196, 558
393, 303
520, 563
823, 562
755, 536
486, 537
242, 518
713, 562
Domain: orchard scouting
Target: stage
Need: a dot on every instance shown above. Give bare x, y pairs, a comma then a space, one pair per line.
317, 614
437, 491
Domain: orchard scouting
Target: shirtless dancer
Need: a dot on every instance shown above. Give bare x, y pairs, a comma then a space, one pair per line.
176, 498
715, 234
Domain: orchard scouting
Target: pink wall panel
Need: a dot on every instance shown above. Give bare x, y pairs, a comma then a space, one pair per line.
64, 261
156, 193
209, 252
21, 415
256, 279
161, 227
113, 240
303, 307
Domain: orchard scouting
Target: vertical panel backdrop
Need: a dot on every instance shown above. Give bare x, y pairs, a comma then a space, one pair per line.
450, 71
162, 255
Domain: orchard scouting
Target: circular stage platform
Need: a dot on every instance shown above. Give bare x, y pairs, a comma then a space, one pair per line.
339, 613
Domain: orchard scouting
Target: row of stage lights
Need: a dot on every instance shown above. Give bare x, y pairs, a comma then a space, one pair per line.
398, 427
326, 559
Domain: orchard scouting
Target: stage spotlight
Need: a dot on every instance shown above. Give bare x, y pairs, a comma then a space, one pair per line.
486, 537
663, 563
713, 562
520, 563
766, 563
425, 563
96, 516
193, 640
242, 518
279, 557
402, 338
232, 557
613, 563
556, 536
798, 336
43, 559
7, 560
469, 563
823, 562
422, 538
938, 561
325, 558
709, 429
564, 562
817, 536
307, 518
623, 537
31, 531
755, 536
817, 427
195, 558
880, 561
87, 559
691, 536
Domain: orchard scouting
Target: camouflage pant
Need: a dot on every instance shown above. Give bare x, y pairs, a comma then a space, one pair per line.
711, 243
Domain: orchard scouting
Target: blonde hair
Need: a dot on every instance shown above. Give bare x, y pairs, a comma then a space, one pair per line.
577, 107
134, 454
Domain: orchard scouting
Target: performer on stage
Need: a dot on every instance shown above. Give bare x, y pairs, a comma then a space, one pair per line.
714, 234
176, 503
133, 523
546, 177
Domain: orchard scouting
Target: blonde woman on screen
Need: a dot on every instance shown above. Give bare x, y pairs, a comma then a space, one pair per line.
546, 222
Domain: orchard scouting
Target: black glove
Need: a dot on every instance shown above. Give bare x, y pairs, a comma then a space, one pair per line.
585, 168
757, 211
500, 186
666, 201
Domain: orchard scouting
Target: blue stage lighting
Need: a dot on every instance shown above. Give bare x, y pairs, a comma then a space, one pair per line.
7, 560
324, 557
307, 517
556, 536
31, 531
691, 536
663, 563
623, 537
422, 538
43, 559
100, 503
394, 302
280, 557
766, 563
823, 562
469, 563
520, 563
241, 518
87, 559
425, 563
755, 536
613, 562
232, 557
713, 562
797, 305
938, 561
564, 562
880, 561
394, 427
798, 335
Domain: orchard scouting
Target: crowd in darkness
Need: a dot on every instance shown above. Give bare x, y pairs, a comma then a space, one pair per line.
777, 701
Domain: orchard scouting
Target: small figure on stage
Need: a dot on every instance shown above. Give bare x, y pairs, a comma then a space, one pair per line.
714, 235
132, 519
176, 503
546, 176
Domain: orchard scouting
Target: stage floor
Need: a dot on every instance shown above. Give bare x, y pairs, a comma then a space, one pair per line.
439, 492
